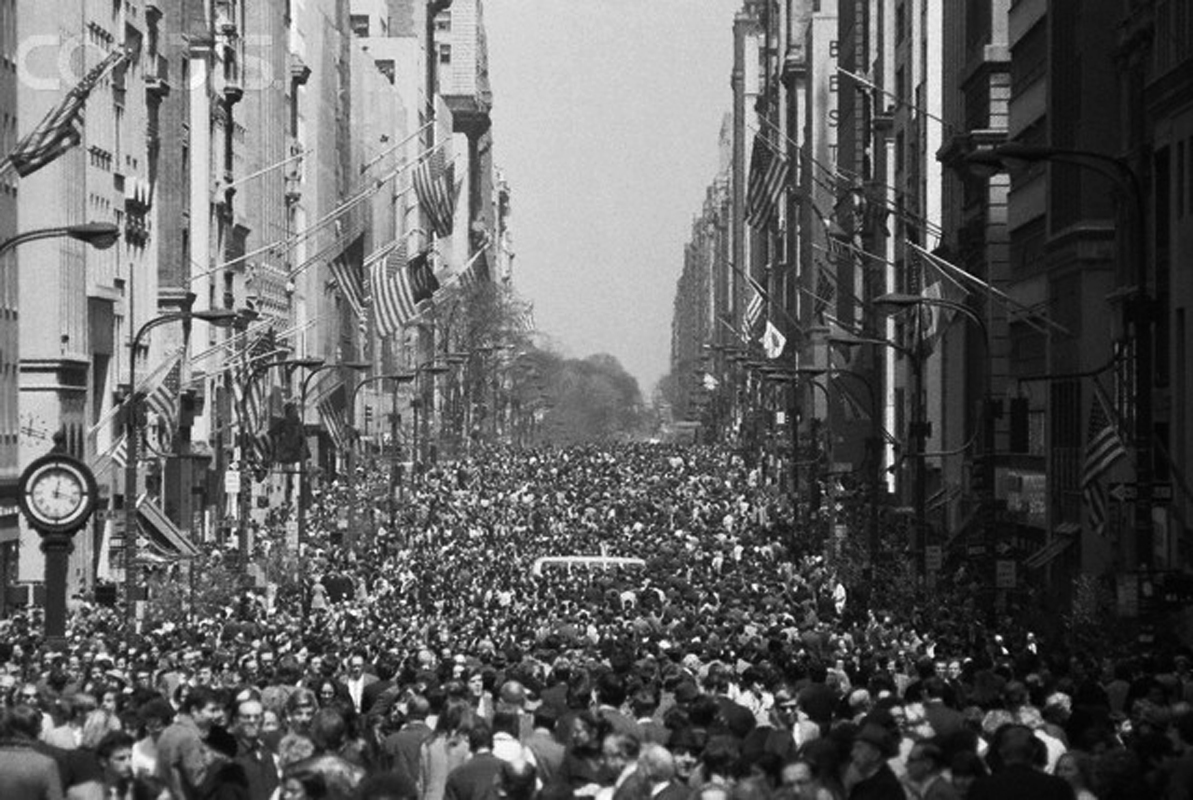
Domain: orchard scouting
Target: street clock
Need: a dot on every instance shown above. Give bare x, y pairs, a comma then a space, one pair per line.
57, 493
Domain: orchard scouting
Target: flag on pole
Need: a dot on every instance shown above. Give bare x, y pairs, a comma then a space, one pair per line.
399, 285
939, 290
352, 288
773, 341
1104, 447
852, 407
165, 403
825, 293
752, 315
59, 129
476, 272
437, 190
334, 421
766, 185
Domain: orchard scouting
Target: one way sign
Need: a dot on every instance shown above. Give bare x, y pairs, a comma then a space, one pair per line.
1124, 492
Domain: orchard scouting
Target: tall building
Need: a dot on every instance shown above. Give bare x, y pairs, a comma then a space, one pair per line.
9, 304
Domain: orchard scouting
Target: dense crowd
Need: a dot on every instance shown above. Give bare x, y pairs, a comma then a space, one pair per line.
428, 660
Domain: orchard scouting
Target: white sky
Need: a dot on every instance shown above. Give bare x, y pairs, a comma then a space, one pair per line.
606, 115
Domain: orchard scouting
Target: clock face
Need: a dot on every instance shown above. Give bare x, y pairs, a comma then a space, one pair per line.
57, 493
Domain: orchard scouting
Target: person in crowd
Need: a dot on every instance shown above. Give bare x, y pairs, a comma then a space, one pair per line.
155, 715
925, 778
1022, 757
114, 753
252, 754
474, 778
446, 749
402, 747
25, 774
183, 758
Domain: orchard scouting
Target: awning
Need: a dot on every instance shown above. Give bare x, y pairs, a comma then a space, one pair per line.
163, 533
1063, 536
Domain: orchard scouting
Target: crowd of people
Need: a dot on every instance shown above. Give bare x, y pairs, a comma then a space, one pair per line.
428, 660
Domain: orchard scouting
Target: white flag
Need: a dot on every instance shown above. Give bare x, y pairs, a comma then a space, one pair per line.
773, 341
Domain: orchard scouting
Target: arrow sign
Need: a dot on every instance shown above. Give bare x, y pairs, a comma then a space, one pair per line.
1124, 492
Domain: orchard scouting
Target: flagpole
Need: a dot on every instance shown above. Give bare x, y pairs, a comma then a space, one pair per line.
994, 291
859, 79
369, 164
270, 168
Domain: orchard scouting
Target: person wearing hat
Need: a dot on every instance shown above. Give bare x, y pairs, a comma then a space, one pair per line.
870, 777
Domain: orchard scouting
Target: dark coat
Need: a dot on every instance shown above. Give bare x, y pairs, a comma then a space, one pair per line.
475, 779
1021, 782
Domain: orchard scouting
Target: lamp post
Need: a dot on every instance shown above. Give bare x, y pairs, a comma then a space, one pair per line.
1138, 312
100, 235
874, 454
917, 436
434, 368
921, 425
398, 379
359, 366
290, 365
185, 316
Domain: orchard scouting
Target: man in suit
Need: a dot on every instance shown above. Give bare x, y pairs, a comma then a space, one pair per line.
548, 751
403, 746
1020, 778
386, 669
357, 679
945, 721
476, 778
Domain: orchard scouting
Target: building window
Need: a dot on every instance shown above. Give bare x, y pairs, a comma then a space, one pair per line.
445, 54
900, 22
360, 24
443, 22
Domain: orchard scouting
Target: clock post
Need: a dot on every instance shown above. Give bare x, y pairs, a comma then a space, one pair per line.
57, 495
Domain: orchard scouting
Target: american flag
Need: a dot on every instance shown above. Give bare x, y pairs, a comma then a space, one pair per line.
348, 278
164, 402
59, 129
436, 187
826, 291
399, 285
476, 272
1103, 449
768, 180
752, 315
333, 420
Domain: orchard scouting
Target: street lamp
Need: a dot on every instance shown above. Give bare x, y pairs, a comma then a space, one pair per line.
100, 235
359, 366
919, 431
434, 368
1138, 314
874, 451
398, 379
220, 317
260, 369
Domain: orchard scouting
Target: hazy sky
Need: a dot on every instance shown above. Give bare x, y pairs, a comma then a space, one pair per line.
606, 115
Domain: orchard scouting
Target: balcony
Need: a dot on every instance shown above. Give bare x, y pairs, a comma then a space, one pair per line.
157, 77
